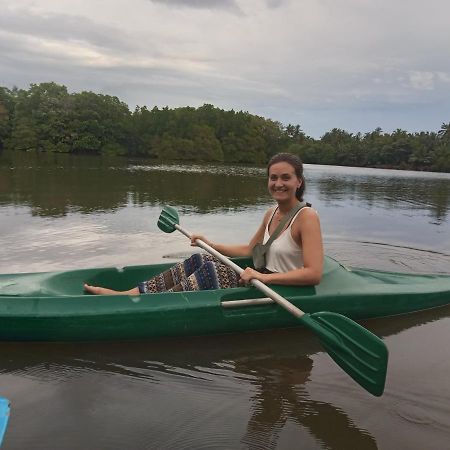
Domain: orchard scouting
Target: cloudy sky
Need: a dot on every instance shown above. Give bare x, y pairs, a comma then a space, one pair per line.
351, 64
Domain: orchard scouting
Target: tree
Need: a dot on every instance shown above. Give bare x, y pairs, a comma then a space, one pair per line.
205, 144
99, 122
444, 132
424, 145
7, 104
441, 158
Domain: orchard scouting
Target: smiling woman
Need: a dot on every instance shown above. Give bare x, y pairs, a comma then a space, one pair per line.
282, 181
295, 257
301, 238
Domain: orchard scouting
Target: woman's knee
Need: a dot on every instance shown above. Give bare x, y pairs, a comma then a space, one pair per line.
226, 277
198, 259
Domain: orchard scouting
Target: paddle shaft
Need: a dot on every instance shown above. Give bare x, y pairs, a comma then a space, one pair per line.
258, 284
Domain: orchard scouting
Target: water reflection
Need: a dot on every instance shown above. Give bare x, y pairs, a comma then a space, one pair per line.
270, 370
54, 185
277, 378
427, 194
281, 397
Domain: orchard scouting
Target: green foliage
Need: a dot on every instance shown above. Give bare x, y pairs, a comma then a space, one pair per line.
6, 114
46, 117
441, 160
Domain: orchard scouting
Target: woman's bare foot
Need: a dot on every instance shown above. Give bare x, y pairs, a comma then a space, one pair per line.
105, 291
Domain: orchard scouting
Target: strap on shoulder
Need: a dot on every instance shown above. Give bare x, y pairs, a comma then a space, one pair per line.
285, 220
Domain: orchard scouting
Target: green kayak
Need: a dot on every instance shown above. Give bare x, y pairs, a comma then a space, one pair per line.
52, 306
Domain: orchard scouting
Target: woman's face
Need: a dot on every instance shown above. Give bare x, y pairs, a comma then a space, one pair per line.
283, 181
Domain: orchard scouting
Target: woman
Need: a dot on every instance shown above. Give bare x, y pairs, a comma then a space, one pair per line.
295, 257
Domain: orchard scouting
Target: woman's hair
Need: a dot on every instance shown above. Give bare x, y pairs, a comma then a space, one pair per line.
296, 163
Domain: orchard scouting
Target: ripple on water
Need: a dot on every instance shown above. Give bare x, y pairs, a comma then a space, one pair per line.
427, 412
385, 256
186, 408
374, 255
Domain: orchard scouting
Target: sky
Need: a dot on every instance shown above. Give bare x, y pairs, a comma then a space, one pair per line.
322, 64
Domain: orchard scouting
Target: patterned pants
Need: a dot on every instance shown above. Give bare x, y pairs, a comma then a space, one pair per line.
199, 272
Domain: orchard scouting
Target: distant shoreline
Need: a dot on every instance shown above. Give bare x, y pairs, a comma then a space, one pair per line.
48, 118
6, 154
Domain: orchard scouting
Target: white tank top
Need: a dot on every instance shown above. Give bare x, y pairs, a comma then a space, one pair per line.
284, 254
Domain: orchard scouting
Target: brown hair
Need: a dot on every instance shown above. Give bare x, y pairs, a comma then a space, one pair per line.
296, 163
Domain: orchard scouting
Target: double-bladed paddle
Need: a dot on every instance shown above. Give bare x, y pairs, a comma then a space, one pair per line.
356, 350
4, 416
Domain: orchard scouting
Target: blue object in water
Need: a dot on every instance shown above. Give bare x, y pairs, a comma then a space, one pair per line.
4, 417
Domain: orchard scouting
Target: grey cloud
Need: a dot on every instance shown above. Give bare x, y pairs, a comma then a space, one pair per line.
64, 27
275, 3
227, 5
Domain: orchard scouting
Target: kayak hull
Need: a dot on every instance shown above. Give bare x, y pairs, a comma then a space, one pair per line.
52, 306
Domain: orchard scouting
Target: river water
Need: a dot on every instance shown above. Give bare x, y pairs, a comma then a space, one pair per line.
267, 390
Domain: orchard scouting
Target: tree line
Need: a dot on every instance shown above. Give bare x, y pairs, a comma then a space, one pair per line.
46, 117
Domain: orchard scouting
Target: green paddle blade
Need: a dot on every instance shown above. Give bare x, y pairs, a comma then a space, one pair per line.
168, 219
356, 350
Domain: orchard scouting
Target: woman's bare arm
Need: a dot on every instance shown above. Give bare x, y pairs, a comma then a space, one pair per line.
237, 250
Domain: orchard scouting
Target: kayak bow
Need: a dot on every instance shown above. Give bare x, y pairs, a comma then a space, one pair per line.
4, 417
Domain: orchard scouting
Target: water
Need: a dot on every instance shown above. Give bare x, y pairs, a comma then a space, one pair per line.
275, 389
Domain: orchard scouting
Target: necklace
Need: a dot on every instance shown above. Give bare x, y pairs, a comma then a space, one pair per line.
279, 216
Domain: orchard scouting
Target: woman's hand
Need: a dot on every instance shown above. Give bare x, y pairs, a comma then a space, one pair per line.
194, 237
252, 274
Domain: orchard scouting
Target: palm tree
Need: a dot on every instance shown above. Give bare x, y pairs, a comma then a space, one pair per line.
444, 132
